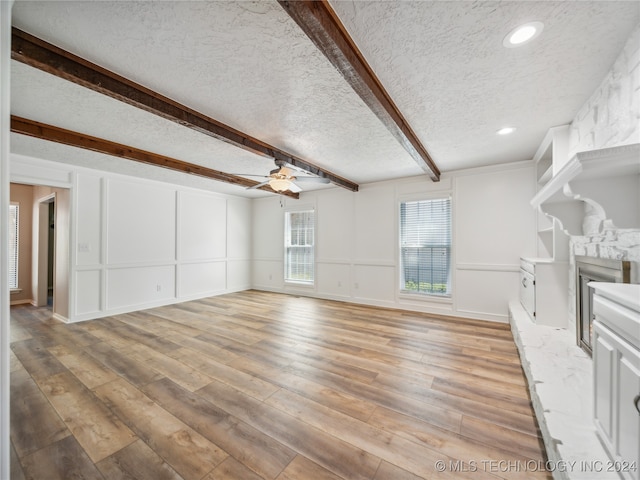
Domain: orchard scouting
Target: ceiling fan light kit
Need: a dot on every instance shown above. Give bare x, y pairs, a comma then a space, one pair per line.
280, 184
282, 179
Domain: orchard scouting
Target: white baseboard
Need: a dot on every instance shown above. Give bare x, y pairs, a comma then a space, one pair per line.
467, 314
20, 302
161, 303
60, 318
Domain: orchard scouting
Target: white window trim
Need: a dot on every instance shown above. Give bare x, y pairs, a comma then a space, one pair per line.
402, 294
299, 283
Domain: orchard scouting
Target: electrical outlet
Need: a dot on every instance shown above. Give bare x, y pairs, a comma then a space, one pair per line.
339, 284
355, 285
158, 288
270, 277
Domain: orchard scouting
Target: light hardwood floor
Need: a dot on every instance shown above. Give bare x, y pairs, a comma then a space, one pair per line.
256, 385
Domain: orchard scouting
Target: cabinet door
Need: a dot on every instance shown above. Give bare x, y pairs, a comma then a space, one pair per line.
628, 421
528, 293
604, 356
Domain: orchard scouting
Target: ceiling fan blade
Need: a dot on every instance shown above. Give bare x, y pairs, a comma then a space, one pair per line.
294, 188
313, 179
258, 185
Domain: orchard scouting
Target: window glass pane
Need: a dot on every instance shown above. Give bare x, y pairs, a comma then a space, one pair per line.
299, 239
425, 246
13, 246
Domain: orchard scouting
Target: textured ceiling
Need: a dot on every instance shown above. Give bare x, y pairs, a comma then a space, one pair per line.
444, 65
249, 65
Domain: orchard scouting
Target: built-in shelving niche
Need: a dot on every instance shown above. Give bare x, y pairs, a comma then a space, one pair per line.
552, 153
608, 180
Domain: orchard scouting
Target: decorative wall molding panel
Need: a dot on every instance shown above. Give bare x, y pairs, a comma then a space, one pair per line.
139, 243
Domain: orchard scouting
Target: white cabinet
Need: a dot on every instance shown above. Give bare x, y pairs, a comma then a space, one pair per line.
544, 290
616, 357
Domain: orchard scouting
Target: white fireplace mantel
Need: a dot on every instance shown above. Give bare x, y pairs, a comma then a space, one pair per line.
608, 180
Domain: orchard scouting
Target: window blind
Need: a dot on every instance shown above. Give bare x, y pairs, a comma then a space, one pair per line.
299, 246
425, 246
13, 245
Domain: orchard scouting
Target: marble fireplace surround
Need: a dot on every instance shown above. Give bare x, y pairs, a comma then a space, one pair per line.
560, 374
560, 378
591, 197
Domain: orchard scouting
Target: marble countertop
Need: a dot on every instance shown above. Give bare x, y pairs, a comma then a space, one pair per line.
626, 294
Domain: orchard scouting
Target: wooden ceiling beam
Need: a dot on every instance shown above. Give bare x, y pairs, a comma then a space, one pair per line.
322, 25
51, 133
37, 53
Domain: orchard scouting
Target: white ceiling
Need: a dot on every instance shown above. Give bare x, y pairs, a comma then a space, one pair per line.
249, 65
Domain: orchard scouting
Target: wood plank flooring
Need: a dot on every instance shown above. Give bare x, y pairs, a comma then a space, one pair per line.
257, 385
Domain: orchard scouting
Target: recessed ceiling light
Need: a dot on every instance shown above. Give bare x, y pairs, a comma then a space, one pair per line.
506, 130
523, 34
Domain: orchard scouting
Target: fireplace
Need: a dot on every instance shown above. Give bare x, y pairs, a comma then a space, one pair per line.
591, 269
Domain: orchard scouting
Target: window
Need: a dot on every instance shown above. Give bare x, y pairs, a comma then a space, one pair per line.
13, 245
299, 232
425, 246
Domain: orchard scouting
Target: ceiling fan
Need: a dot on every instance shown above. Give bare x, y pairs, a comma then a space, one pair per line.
282, 179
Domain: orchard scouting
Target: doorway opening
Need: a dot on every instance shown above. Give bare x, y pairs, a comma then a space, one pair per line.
44, 249
51, 254
46, 253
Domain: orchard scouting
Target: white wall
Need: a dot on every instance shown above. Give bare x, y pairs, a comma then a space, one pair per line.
609, 118
138, 243
5, 123
357, 254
